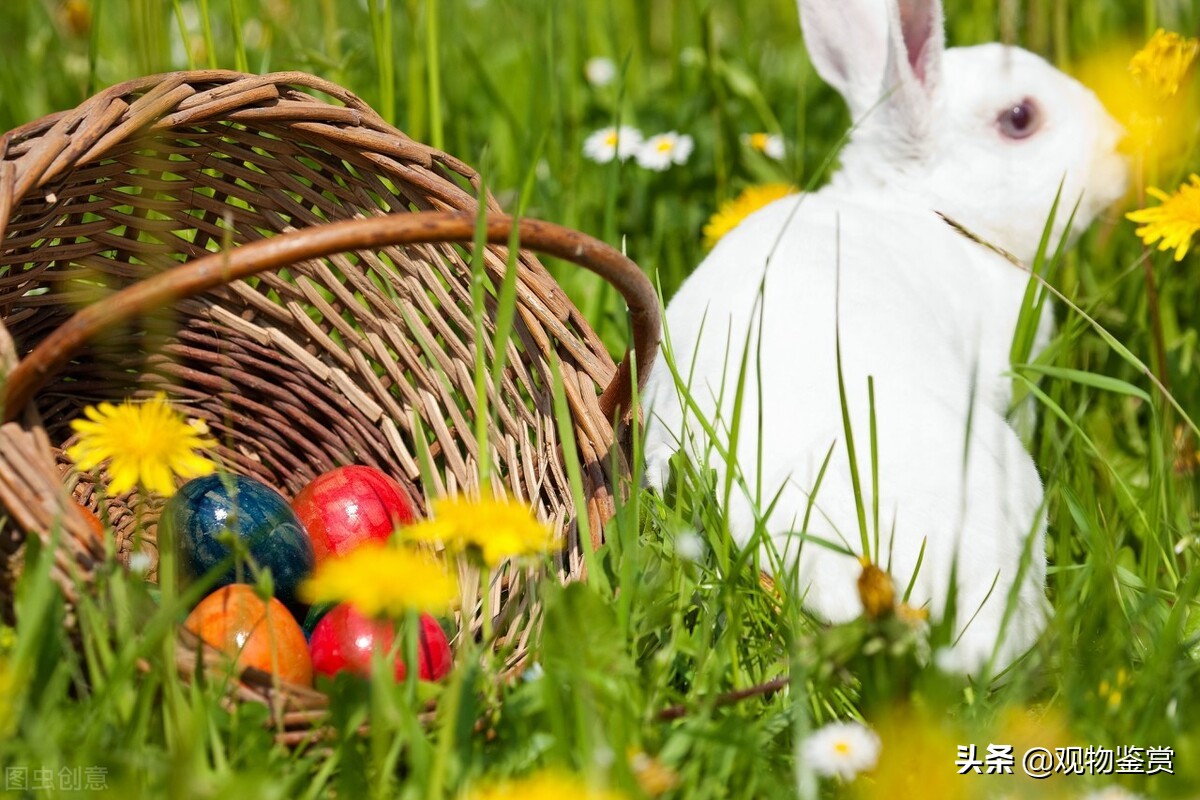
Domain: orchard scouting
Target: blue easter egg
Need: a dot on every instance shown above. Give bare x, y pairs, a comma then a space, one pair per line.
199, 514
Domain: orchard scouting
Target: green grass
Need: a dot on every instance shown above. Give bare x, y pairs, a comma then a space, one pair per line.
500, 83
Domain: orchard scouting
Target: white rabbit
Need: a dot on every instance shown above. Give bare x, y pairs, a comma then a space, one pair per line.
984, 136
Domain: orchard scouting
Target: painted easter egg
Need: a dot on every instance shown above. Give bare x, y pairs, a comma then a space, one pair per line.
254, 632
201, 514
344, 640
93, 522
348, 506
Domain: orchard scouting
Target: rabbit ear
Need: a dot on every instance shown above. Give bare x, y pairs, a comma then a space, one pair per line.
847, 42
913, 71
920, 27
873, 50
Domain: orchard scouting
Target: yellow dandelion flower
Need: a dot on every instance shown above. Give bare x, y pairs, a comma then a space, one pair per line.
732, 212
146, 444
914, 737
913, 616
1157, 127
487, 529
382, 581
549, 785
1161, 65
1174, 221
652, 775
1186, 457
1112, 692
77, 16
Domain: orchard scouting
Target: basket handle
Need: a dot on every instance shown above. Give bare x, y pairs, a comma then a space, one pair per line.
337, 237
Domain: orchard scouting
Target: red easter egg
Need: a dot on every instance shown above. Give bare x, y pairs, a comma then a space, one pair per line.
350, 505
345, 640
256, 633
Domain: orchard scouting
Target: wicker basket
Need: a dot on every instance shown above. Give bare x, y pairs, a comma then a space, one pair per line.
296, 272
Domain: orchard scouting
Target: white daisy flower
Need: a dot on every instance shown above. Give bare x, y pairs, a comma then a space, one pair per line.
139, 563
841, 748
689, 546
608, 143
77, 63
769, 144
600, 71
949, 660
252, 33
662, 150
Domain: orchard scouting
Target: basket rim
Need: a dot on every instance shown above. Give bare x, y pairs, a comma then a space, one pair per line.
230, 82
220, 268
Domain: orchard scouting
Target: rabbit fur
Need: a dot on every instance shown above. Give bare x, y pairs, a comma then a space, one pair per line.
869, 264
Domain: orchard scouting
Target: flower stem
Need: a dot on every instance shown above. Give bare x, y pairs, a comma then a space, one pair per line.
1159, 362
1156, 326
448, 718
485, 579
488, 660
433, 72
412, 657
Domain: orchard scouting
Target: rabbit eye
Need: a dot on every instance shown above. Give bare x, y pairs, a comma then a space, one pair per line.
1020, 120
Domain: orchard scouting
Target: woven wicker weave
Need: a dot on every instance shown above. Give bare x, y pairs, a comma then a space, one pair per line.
272, 260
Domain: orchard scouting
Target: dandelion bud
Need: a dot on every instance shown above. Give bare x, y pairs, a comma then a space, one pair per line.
1162, 64
876, 591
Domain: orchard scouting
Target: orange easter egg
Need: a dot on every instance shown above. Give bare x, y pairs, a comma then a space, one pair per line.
94, 523
256, 633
